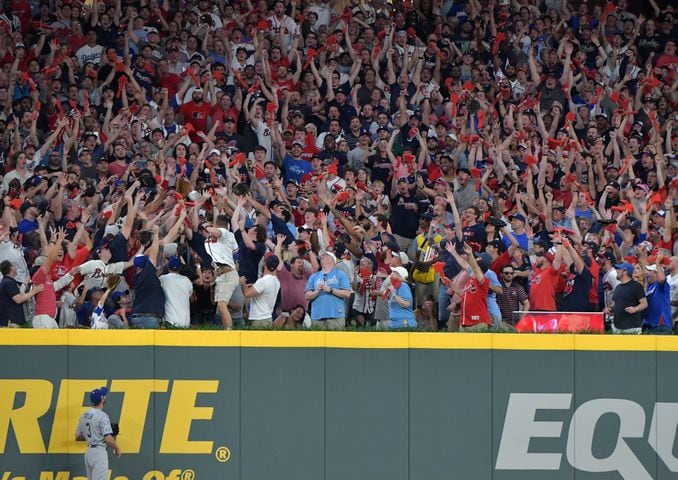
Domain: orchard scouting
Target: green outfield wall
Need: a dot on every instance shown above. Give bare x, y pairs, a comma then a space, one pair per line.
249, 405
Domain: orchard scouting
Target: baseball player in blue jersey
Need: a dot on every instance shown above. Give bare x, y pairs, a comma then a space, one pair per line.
95, 428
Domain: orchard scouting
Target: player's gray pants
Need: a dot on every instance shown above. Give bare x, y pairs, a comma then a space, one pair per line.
96, 463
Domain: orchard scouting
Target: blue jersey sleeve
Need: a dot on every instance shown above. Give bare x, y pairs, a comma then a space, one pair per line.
310, 285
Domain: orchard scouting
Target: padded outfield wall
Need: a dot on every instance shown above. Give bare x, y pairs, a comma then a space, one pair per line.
336, 406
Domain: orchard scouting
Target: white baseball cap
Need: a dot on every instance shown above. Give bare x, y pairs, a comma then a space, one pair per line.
402, 271
330, 254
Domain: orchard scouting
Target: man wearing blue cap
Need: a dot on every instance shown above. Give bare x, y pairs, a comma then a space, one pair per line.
629, 301
149, 298
95, 428
518, 231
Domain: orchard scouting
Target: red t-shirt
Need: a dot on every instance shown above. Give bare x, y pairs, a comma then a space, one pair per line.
197, 116
434, 172
274, 66
500, 262
543, 289
118, 169
288, 84
665, 60
474, 302
59, 269
22, 9
45, 301
219, 113
23, 63
76, 42
595, 272
309, 152
171, 82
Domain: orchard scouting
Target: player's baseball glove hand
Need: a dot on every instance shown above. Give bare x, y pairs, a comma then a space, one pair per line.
112, 281
116, 429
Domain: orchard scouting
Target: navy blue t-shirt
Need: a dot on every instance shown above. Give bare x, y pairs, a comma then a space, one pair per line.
9, 309
576, 294
248, 261
451, 267
148, 294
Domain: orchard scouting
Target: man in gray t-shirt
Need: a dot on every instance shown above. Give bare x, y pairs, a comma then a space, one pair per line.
95, 428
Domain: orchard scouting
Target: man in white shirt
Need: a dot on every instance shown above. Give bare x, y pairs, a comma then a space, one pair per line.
10, 249
279, 21
323, 10
91, 51
263, 294
178, 290
220, 245
96, 271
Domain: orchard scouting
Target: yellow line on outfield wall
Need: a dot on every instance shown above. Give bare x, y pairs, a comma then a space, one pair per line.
317, 339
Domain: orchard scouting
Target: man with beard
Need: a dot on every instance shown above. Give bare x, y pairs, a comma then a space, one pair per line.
293, 165
543, 281
293, 278
197, 113
629, 300
512, 298
464, 189
118, 165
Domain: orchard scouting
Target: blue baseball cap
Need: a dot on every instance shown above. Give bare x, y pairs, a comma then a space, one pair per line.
174, 263
117, 295
625, 266
517, 216
97, 395
485, 257
140, 261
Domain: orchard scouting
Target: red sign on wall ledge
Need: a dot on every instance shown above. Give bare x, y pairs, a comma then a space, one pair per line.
551, 322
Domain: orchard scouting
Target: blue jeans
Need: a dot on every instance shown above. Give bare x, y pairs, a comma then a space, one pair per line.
444, 301
144, 321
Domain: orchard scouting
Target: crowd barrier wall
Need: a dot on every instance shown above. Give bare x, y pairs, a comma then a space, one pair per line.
246, 405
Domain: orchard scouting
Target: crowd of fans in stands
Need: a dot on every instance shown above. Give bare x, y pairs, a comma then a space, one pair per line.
430, 164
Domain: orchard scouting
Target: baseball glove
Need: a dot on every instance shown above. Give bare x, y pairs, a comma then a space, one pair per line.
112, 281
116, 429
